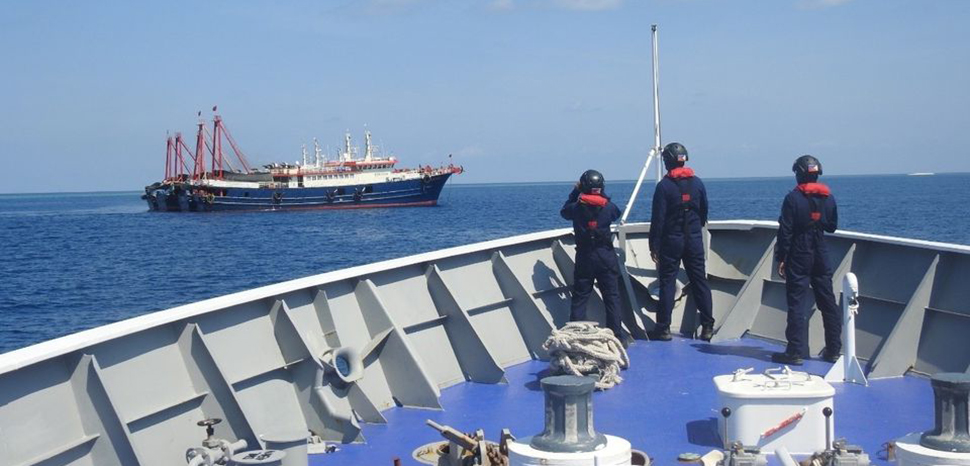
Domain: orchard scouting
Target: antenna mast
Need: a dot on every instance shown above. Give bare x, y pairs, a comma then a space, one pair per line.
316, 151
655, 151
656, 104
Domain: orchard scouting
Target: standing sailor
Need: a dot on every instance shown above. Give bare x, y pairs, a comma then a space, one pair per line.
809, 210
592, 213
676, 234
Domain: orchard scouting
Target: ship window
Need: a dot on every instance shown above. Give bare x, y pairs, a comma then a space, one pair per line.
368, 189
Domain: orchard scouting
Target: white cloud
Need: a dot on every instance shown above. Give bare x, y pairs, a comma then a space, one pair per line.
588, 5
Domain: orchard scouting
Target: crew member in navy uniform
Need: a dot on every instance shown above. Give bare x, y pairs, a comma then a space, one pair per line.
808, 212
592, 213
676, 234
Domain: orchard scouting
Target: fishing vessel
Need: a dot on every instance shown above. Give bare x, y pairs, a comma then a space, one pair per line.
343, 182
346, 367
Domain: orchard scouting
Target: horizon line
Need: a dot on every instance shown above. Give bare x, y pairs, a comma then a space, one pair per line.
494, 183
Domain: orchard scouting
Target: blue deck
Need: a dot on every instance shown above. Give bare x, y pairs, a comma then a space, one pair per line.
665, 406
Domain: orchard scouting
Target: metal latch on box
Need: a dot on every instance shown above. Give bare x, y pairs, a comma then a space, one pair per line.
784, 378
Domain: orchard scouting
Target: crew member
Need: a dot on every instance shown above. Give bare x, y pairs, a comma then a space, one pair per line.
676, 234
809, 210
592, 213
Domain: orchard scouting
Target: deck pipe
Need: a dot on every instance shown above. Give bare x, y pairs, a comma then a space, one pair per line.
784, 456
343, 417
848, 368
850, 307
214, 455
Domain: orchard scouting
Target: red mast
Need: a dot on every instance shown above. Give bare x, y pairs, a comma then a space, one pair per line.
232, 143
179, 157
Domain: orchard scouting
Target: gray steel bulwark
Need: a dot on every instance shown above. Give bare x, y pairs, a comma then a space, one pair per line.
263, 360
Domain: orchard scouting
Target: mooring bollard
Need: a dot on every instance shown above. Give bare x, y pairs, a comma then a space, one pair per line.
951, 398
569, 416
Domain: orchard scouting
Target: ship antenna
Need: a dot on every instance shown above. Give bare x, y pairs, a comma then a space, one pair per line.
656, 103
368, 148
347, 149
316, 152
304, 156
654, 154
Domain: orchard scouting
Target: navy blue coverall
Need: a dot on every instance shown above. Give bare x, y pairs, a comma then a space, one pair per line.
801, 247
595, 258
679, 213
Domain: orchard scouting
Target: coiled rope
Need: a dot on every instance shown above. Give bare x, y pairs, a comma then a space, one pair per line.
583, 348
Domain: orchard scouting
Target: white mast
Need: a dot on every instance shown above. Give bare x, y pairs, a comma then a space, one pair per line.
656, 104
368, 148
304, 156
347, 155
316, 153
654, 154
655, 151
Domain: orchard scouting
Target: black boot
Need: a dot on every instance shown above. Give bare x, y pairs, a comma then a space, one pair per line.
790, 359
659, 335
830, 356
706, 333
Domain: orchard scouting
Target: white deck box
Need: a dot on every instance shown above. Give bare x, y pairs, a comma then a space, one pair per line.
780, 408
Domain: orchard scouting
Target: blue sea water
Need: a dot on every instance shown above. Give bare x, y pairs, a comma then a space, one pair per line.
69, 262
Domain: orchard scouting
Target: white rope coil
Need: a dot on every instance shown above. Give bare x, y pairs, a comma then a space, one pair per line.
582, 348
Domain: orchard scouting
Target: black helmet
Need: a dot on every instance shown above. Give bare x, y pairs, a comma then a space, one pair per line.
674, 155
807, 169
591, 182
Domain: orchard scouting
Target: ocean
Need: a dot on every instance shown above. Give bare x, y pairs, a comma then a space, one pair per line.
76, 261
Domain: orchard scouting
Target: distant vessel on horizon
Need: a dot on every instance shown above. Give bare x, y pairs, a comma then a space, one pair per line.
346, 182
922, 174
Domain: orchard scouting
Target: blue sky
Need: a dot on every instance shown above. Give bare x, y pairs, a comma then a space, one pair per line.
517, 90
